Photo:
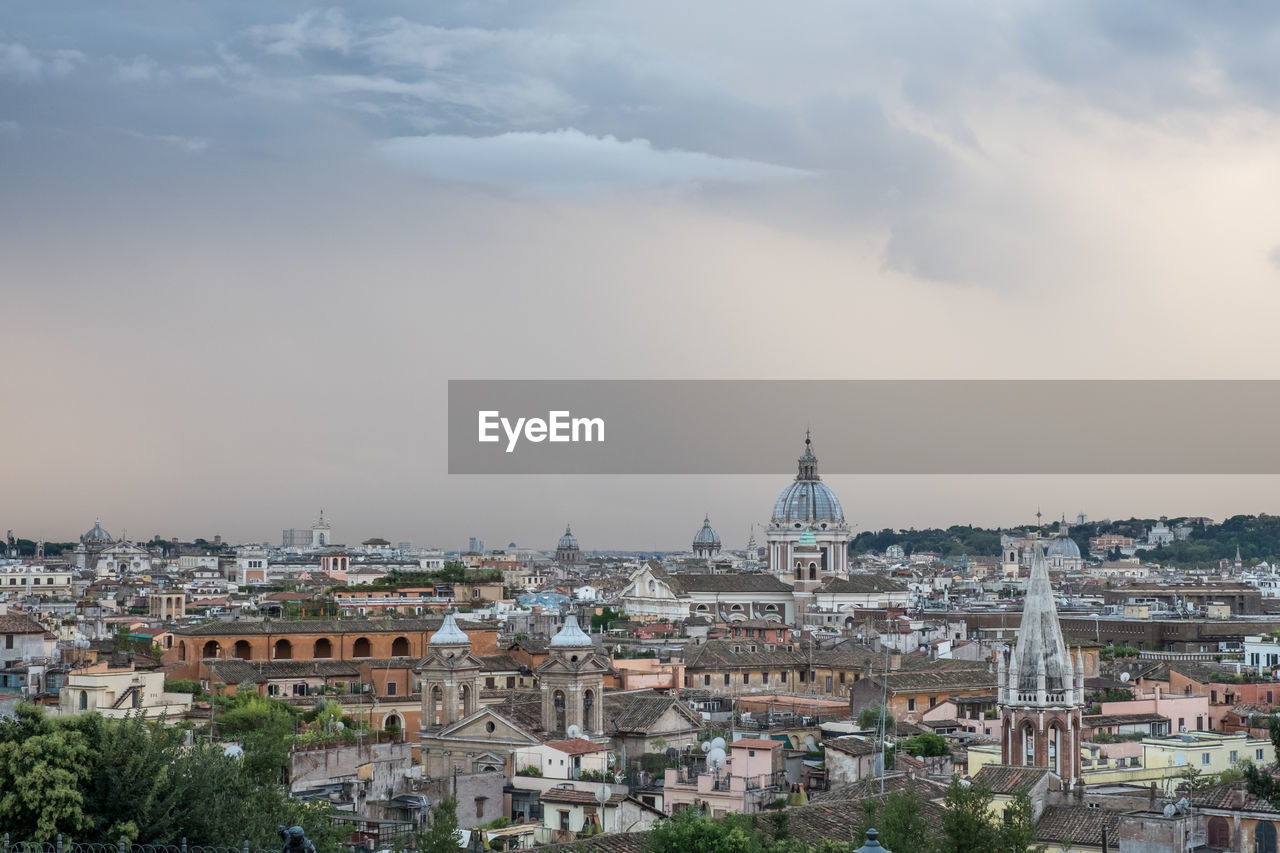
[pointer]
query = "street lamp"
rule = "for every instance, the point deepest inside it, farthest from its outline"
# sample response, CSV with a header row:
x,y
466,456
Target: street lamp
x,y
873,844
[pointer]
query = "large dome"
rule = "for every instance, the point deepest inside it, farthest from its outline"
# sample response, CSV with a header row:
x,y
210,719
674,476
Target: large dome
x,y
568,540
706,536
808,500
97,536
1064,546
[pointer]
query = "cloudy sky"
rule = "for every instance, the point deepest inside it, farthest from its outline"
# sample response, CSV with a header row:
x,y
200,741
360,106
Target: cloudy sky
x,y
243,246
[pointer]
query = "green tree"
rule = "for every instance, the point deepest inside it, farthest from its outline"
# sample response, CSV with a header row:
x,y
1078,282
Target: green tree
x,y
691,832
442,836
967,825
41,775
869,718
1018,826
928,745
901,822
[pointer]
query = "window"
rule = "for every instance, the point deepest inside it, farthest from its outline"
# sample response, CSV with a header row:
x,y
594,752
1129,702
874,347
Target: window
x,y
933,701
564,819
726,678
8,641
746,679
1258,755
706,680
911,704
1204,758
1233,756
391,688
511,681
489,683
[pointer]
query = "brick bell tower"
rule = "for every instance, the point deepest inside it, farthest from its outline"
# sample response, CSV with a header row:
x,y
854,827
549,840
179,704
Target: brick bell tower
x,y
1041,695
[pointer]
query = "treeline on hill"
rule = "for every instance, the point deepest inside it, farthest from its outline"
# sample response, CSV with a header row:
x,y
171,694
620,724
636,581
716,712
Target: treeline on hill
x,y
1257,536
904,826
95,779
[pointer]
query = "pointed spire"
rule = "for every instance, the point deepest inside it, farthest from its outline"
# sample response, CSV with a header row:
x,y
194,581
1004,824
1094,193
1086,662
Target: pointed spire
x,y
1041,656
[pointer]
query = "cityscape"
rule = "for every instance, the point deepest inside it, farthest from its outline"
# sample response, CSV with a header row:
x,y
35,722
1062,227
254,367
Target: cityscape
x,y
562,695
586,427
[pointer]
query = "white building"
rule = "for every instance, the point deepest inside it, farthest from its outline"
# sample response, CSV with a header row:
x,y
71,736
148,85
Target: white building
x,y
22,579
807,508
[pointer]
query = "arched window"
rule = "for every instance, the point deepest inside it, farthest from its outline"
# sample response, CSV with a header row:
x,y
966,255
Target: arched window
x,y
1054,742
558,704
284,649
1028,745
400,647
464,700
588,706
435,706
361,648
1219,832
1264,837
392,723
84,700
242,650
323,648
210,649
182,651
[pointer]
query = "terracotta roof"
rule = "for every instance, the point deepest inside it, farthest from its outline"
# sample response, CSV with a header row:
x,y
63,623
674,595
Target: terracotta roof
x,y
756,743
1081,824
1009,779
838,817
927,788
19,623
565,795
577,746
863,584
622,842
851,745
323,626
734,582
638,712
500,663
257,672
1228,797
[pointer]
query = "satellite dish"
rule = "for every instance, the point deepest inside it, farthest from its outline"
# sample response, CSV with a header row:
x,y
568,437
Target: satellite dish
x,y
718,743
233,750
706,746
1169,810
1124,677
671,752
573,731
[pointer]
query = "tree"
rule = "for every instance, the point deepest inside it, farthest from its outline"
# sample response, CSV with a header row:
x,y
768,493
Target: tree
x,y
967,825
928,745
870,717
442,836
41,776
691,832
1018,825
901,822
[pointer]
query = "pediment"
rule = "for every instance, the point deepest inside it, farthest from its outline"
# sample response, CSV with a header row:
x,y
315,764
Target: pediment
x,y
475,727
592,664
437,659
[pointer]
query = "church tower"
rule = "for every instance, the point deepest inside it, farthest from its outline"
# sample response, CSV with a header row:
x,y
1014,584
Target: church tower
x,y
572,682
1041,693
450,676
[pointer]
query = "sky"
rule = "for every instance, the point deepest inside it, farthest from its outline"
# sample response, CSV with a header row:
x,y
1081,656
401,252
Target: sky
x,y
244,246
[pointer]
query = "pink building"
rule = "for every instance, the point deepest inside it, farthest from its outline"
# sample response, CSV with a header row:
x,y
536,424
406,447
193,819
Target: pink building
x,y
1189,712
752,777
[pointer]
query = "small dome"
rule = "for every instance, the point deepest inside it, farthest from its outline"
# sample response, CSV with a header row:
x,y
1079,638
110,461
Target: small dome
x,y
570,636
1064,546
807,538
97,536
449,634
706,536
568,540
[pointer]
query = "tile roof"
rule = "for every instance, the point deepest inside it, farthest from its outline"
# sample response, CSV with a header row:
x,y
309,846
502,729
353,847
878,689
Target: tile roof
x,y
322,626
565,795
736,582
825,816
1122,719
621,842
500,663
756,743
927,788
851,745
1009,779
1081,824
636,712
522,707
863,584
577,746
19,623
1227,796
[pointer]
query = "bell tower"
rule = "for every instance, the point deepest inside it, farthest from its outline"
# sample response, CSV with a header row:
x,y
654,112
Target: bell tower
x,y
572,682
1041,692
450,676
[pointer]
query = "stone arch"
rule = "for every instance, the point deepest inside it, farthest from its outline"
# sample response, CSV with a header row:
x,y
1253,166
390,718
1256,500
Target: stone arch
x,y
558,707
242,650
182,650
435,704
211,650
1027,744
284,649
361,648
323,648
589,710
392,722
466,700
400,647
1053,747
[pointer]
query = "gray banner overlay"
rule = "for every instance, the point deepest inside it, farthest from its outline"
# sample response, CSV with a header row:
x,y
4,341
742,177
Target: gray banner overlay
x,y
865,426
